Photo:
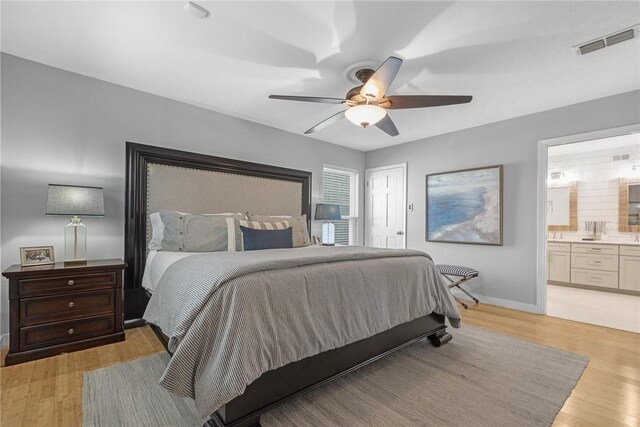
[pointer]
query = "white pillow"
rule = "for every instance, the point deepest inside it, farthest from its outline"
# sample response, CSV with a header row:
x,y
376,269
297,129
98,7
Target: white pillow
x,y
157,227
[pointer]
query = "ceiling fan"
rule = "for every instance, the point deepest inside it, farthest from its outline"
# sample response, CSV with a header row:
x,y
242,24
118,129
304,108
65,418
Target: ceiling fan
x,y
368,102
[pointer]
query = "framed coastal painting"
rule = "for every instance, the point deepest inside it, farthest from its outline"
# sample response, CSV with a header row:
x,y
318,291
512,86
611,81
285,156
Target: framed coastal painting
x,y
465,206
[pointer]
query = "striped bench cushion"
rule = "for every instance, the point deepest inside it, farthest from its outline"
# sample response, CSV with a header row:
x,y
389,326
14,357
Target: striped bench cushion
x,y
456,270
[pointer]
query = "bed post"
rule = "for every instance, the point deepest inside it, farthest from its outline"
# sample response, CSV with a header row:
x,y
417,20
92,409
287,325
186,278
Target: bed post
x,y
215,421
440,338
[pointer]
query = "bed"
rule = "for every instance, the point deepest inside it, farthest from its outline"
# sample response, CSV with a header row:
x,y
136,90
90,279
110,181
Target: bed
x,y
250,330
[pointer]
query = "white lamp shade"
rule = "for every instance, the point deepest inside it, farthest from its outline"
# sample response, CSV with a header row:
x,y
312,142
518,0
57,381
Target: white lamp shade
x,y
365,115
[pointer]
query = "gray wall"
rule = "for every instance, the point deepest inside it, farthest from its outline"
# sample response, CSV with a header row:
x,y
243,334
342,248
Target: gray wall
x,y
507,272
60,127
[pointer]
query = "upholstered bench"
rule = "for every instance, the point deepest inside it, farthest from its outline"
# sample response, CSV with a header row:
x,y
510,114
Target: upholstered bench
x,y
457,275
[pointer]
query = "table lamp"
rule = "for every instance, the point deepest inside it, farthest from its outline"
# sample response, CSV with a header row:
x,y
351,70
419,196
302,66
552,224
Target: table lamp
x,y
328,212
75,201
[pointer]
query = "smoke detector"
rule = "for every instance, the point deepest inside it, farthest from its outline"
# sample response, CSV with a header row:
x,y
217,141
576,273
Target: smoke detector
x,y
608,40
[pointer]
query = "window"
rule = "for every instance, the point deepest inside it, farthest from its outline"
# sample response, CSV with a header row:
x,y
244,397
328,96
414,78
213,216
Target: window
x,y
340,186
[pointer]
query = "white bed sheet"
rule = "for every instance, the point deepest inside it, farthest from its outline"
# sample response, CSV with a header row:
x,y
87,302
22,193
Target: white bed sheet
x,y
157,263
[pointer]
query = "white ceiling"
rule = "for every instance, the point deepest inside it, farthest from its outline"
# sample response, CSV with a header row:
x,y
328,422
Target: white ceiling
x,y
515,58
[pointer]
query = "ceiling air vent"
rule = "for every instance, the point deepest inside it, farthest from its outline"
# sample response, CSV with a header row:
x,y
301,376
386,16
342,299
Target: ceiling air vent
x,y
608,40
590,47
619,157
620,37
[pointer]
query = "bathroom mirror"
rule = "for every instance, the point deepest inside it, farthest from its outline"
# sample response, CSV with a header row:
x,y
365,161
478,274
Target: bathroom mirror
x,y
629,206
562,207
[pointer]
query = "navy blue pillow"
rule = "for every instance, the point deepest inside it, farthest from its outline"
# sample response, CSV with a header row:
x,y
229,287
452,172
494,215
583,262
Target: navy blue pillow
x,y
254,240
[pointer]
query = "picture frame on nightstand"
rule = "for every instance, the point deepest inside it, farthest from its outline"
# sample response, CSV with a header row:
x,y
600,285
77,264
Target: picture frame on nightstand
x,y
36,255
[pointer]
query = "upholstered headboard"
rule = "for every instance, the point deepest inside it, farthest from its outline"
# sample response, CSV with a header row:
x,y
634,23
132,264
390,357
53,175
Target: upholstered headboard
x,y
165,179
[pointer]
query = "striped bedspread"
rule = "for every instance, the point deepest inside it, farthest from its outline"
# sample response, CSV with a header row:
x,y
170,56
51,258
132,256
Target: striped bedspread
x,y
231,316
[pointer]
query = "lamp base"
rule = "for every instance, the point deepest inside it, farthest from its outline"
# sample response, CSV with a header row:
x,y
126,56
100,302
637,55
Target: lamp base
x,y
328,234
75,241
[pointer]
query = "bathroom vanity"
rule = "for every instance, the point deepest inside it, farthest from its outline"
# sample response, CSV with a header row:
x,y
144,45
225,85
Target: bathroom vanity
x,y
603,265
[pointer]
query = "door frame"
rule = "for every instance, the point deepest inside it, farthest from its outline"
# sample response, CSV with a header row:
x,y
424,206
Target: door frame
x,y
543,166
405,168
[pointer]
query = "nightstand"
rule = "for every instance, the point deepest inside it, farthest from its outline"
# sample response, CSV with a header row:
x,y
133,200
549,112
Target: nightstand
x,y
60,308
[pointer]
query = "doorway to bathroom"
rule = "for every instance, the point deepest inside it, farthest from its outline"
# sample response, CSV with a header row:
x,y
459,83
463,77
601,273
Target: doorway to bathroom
x,y
590,207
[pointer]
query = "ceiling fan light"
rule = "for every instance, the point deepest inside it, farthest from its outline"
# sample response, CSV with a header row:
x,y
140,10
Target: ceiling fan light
x,y
365,115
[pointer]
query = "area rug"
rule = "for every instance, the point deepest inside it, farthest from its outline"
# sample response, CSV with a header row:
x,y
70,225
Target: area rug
x,y
480,378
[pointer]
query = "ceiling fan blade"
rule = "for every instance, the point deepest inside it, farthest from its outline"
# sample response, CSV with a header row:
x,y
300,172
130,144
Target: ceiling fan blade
x,y
323,100
421,101
379,82
387,126
326,122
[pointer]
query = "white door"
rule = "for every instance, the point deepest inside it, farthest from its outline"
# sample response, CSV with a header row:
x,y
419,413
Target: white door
x,y
385,214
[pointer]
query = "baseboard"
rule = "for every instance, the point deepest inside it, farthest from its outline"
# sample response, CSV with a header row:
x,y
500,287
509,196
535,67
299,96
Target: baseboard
x,y
531,308
4,341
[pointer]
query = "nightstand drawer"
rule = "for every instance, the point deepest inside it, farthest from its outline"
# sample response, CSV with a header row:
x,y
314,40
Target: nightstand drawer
x,y
64,284
68,306
61,332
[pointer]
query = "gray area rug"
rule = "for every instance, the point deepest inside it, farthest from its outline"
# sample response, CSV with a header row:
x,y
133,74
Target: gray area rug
x,y
478,379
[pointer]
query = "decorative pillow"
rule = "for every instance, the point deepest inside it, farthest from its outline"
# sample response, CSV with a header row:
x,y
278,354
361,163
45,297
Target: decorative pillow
x,y
183,232
298,224
254,240
234,233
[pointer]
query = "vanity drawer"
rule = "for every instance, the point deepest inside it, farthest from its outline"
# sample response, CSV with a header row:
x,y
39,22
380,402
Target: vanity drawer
x,y
68,306
61,332
595,262
559,247
64,284
607,279
630,250
594,249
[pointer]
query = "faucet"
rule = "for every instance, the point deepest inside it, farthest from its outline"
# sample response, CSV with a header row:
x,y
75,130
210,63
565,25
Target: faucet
x,y
637,238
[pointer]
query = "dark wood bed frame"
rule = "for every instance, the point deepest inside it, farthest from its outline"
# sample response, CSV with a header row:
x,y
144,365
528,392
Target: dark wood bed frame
x,y
275,387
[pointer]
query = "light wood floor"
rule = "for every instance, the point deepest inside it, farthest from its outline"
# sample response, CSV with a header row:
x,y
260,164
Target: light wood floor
x,y
48,392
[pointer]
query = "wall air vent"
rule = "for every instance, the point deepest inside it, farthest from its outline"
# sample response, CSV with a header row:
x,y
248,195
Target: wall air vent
x,y
620,157
556,175
608,40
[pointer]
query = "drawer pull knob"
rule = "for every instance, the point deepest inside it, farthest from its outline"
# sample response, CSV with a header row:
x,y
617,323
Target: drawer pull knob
x,y
71,331
71,304
70,282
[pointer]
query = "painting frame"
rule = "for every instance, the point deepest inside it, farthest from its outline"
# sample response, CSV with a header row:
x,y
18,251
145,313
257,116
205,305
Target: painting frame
x,y
500,228
27,260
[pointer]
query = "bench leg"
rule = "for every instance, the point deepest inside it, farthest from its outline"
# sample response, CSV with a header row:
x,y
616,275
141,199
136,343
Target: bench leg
x,y
469,295
459,301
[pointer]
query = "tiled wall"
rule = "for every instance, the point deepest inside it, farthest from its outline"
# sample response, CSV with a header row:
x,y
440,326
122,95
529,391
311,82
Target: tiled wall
x,y
591,165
